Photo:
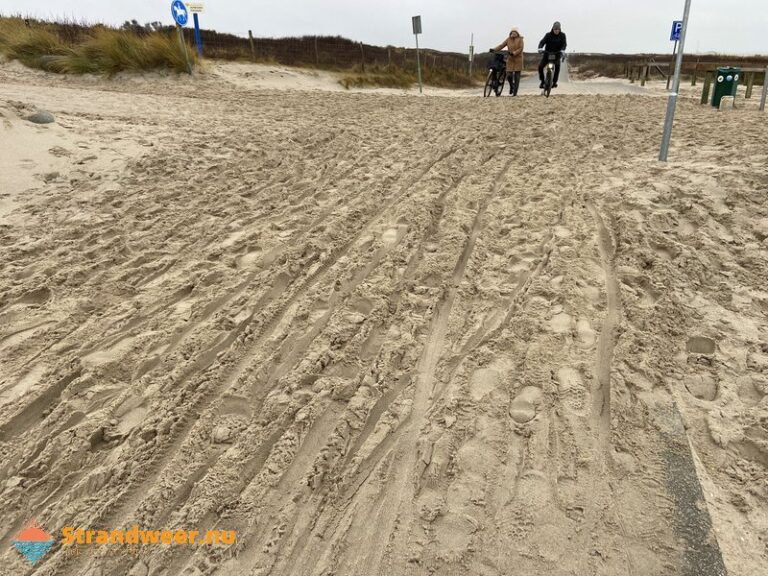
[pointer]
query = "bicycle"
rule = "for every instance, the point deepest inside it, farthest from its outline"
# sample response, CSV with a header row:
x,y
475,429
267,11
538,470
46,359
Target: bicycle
x,y
497,75
550,71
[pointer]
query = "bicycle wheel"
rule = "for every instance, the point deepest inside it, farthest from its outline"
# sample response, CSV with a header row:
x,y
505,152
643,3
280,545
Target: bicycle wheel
x,y
500,80
489,84
548,84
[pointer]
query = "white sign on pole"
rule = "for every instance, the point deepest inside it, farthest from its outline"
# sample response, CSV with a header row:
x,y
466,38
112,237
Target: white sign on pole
x,y
196,7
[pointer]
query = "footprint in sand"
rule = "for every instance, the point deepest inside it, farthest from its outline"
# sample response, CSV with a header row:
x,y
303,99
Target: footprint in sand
x,y
701,345
573,394
534,491
248,259
702,386
586,335
526,404
483,382
390,236
561,323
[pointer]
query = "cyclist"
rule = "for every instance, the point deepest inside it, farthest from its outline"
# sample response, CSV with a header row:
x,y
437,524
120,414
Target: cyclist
x,y
514,44
553,42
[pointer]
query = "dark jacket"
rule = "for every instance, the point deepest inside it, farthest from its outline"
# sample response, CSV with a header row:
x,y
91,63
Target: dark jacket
x,y
553,42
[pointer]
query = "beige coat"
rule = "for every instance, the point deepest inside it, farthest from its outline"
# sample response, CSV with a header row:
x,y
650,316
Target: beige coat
x,y
515,44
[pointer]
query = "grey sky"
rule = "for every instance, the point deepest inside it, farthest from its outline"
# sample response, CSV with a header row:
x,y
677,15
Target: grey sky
x,y
735,26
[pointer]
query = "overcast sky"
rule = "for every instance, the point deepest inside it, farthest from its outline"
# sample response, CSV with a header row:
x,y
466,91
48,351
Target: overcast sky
x,y
732,26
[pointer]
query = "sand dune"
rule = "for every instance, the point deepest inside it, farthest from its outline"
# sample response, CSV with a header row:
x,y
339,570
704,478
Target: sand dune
x,y
382,335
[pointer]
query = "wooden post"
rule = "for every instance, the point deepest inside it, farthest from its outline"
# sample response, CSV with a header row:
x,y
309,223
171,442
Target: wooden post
x,y
750,84
695,71
765,90
644,74
362,58
253,48
708,77
631,74
317,54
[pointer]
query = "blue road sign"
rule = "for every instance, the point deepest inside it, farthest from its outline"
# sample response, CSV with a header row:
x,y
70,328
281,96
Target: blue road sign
x,y
179,12
677,30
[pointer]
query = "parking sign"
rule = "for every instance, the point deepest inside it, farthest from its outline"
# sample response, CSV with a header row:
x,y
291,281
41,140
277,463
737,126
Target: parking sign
x,y
677,30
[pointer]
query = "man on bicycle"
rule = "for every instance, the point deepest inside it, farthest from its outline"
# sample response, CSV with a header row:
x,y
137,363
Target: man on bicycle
x,y
554,42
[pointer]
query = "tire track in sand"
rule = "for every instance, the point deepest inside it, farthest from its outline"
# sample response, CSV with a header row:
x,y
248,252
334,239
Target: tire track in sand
x,y
132,497
253,467
607,246
398,489
304,518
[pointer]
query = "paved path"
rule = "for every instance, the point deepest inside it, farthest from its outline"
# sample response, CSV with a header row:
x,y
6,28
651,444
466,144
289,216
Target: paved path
x,y
530,85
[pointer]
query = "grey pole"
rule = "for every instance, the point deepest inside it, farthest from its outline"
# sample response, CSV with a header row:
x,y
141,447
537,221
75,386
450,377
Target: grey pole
x,y
418,63
184,47
471,53
672,102
765,91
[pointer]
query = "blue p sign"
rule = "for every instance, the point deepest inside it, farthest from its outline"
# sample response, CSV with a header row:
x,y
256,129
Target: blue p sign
x,y
677,30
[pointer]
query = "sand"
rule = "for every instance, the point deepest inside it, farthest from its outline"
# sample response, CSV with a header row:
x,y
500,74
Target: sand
x,y
382,334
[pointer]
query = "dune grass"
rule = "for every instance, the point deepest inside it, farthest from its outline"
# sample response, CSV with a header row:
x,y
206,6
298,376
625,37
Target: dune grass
x,y
29,46
102,51
401,78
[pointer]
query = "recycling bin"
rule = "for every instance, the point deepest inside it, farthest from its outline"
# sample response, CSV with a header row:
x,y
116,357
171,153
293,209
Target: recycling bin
x,y
726,84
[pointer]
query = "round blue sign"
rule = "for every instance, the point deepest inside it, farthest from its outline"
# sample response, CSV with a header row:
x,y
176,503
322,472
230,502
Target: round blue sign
x,y
179,12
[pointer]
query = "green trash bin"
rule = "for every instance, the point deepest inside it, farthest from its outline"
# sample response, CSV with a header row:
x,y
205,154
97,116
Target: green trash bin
x,y
726,84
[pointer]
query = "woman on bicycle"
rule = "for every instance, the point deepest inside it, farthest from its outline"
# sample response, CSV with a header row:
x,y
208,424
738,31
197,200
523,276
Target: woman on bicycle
x,y
514,44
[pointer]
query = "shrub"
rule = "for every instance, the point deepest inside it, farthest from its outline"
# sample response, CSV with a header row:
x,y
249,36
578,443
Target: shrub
x,y
102,51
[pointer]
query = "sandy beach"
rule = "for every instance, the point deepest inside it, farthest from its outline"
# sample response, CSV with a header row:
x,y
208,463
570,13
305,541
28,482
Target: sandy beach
x,y
382,334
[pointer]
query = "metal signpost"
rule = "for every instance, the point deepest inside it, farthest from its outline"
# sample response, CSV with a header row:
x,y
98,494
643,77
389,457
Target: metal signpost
x,y
471,53
197,8
416,31
181,17
672,102
677,28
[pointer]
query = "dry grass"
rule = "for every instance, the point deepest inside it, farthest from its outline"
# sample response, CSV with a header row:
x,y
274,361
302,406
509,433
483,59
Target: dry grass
x,y
30,47
397,77
103,51
386,78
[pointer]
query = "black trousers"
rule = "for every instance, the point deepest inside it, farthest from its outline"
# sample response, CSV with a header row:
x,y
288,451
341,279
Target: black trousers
x,y
514,82
543,64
